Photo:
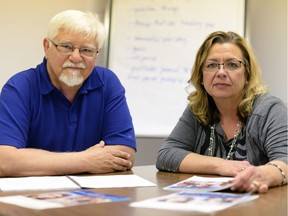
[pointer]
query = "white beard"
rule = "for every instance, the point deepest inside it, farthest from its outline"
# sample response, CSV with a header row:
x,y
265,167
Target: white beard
x,y
71,78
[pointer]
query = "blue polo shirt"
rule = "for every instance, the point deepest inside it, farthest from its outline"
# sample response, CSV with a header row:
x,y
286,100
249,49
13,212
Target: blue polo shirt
x,y
35,114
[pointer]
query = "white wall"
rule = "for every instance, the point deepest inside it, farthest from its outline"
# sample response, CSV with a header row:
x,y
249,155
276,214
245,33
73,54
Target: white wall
x,y
267,32
23,28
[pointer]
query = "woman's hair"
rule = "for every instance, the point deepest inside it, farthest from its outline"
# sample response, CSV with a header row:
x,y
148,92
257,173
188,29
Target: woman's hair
x,y
78,22
201,103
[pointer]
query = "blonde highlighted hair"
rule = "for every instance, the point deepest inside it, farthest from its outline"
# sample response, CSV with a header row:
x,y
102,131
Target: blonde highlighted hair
x,y
200,102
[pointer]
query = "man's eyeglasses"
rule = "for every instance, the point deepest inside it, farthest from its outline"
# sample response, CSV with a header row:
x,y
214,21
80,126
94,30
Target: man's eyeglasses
x,y
232,65
68,49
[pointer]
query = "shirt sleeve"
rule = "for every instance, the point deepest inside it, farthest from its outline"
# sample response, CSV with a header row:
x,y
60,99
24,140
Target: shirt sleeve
x,y
117,126
14,121
180,142
267,134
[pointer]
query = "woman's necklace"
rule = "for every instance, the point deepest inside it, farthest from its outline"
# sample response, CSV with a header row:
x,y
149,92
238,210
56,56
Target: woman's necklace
x,y
233,144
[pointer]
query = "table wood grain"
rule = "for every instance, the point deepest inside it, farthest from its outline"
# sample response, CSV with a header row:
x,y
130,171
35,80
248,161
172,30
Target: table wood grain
x,y
272,203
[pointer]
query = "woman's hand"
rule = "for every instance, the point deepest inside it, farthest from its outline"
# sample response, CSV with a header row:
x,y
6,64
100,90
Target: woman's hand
x,y
251,179
231,167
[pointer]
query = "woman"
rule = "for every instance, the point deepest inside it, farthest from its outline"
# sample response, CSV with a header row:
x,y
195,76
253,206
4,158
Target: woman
x,y
232,126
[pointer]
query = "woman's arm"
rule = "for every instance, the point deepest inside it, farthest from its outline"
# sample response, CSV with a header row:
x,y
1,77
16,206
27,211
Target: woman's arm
x,y
196,163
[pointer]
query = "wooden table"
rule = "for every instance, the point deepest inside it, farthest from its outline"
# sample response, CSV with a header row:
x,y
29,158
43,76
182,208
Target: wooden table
x,y
272,203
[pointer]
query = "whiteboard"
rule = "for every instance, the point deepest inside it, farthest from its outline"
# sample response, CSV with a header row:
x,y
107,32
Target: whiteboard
x,y
152,49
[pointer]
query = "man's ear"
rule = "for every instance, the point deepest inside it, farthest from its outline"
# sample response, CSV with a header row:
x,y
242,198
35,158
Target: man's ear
x,y
46,46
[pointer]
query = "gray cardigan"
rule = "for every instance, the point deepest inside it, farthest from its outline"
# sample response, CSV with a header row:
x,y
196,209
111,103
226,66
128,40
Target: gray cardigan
x,y
265,137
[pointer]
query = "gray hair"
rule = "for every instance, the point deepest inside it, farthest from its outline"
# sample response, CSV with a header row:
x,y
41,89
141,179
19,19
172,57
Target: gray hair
x,y
78,22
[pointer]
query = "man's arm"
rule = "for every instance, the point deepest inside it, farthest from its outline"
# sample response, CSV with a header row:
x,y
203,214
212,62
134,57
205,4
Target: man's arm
x,y
34,162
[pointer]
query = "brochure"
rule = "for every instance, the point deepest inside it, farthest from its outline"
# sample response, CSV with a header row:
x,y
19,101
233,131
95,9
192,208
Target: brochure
x,y
202,184
199,202
60,199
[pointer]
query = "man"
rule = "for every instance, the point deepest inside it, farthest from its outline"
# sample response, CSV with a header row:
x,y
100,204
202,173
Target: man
x,y
66,116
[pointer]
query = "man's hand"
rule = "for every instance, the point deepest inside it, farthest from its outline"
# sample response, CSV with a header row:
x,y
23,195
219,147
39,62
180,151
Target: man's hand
x,y
104,159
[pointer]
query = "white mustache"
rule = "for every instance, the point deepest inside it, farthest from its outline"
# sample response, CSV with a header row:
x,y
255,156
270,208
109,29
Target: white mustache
x,y
70,64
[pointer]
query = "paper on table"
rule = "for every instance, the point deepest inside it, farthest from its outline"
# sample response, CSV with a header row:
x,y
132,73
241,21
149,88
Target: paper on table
x,y
72,182
202,184
111,181
199,202
36,183
61,199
